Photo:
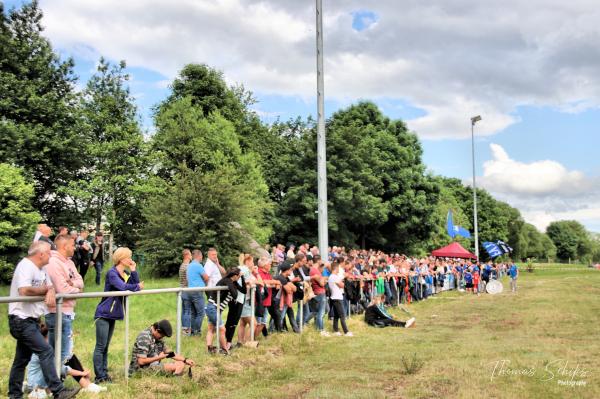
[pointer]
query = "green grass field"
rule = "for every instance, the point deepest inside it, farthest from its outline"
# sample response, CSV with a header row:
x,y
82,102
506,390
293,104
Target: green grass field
x,y
540,335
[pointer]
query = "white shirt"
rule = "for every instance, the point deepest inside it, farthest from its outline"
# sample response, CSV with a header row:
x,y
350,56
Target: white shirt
x,y
37,236
27,274
336,291
213,272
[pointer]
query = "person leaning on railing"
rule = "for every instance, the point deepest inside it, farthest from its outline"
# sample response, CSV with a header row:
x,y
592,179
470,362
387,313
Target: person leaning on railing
x,y
111,309
30,279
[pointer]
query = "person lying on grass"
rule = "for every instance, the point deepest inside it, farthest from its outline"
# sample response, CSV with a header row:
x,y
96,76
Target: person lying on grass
x,y
377,316
149,350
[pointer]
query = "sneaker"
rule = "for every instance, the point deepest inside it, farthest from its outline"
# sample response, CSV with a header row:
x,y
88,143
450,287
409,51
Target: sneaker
x,y
223,352
67,393
38,393
325,334
337,334
349,334
410,322
103,380
94,388
212,350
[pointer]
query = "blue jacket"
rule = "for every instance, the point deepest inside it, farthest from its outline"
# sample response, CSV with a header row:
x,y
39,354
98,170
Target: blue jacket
x,y
113,307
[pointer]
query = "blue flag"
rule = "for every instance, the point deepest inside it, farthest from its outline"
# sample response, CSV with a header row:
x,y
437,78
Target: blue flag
x,y
453,230
504,247
492,249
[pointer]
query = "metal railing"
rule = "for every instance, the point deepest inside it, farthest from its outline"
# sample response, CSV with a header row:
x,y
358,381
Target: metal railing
x,y
61,297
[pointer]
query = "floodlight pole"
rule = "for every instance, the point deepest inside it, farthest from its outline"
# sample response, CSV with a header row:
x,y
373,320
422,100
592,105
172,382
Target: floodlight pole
x,y
321,142
474,120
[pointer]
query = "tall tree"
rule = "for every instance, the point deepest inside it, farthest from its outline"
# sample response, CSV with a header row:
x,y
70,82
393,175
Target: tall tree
x,y
39,129
113,185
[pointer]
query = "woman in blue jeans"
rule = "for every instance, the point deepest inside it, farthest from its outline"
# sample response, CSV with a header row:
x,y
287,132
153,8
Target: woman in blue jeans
x,y
111,309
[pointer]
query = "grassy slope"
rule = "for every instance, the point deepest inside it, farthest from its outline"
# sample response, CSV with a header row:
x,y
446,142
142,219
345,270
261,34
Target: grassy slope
x,y
458,337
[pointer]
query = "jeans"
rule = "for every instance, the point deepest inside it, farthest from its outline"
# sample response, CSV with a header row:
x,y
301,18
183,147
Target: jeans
x,y
321,306
30,341
274,323
289,311
197,310
233,318
186,311
513,284
66,342
338,314
98,265
104,332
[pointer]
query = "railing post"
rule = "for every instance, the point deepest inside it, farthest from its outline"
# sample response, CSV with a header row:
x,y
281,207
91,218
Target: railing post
x,y
178,329
301,315
58,336
252,307
217,327
126,352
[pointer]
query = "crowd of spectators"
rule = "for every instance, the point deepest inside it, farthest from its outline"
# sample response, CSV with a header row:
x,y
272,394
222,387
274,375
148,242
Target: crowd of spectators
x,y
282,292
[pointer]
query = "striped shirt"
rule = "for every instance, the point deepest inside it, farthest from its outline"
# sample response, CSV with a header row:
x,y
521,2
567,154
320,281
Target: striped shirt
x,y
183,281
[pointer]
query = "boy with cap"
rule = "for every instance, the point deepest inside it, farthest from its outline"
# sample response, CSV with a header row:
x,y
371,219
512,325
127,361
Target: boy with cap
x,y
149,349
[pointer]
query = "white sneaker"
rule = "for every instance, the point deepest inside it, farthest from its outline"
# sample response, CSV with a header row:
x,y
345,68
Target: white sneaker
x,y
337,334
409,322
325,334
94,388
38,393
349,334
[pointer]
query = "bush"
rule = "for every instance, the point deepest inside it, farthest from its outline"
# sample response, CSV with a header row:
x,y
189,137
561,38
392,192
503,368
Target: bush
x,y
17,218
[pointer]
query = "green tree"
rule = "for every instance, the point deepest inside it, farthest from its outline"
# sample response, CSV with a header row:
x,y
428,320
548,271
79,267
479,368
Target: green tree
x,y
17,218
38,120
570,238
377,190
113,185
203,151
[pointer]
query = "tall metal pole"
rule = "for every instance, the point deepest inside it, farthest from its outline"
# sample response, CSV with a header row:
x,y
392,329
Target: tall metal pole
x,y
321,142
474,120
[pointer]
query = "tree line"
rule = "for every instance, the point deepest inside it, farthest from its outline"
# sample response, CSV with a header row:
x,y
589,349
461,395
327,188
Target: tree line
x,y
214,174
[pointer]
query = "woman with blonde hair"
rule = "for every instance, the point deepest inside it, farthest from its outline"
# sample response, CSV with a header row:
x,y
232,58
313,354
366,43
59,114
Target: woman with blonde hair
x,y
121,277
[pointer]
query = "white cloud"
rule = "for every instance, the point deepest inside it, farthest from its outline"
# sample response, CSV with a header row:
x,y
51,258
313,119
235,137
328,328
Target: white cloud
x,y
452,59
544,191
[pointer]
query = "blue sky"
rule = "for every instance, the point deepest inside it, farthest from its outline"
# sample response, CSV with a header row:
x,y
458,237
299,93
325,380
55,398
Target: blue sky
x,y
533,80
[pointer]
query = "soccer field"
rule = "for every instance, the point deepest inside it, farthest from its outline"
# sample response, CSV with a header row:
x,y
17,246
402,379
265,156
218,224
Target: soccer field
x,y
542,342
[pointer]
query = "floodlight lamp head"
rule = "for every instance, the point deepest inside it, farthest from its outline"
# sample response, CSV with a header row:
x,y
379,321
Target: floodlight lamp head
x,y
475,119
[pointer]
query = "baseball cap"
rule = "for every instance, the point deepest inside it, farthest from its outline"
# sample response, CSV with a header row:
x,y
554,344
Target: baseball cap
x,y
164,327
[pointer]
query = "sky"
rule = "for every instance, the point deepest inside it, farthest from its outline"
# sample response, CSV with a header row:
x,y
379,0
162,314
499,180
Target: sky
x,y
530,69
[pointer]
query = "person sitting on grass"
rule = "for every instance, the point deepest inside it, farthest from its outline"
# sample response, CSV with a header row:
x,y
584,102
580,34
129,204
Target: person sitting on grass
x,y
377,316
36,384
149,350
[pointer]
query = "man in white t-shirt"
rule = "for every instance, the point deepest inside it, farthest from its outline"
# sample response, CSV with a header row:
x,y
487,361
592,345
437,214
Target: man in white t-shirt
x,y
336,285
213,269
30,279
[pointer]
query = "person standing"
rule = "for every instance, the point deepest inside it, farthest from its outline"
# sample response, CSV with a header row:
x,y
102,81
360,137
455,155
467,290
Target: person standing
x,y
111,309
336,286
30,279
513,273
83,249
318,282
98,255
186,304
213,269
66,280
214,306
43,233
197,277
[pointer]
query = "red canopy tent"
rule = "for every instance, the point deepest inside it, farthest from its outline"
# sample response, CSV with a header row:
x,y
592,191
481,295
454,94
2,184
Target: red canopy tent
x,y
454,250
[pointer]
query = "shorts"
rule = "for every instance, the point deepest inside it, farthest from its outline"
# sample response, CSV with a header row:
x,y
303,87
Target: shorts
x,y
261,320
246,310
469,285
211,314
